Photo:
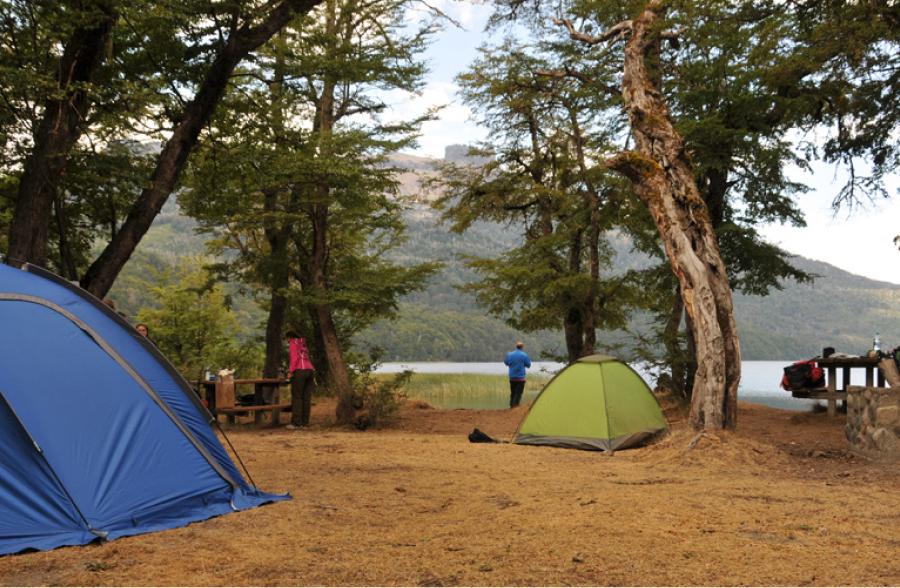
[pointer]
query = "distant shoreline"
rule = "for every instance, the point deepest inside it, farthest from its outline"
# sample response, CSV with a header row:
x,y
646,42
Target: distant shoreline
x,y
759,382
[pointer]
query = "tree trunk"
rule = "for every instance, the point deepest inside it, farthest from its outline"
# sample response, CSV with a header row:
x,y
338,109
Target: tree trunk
x,y
320,360
278,284
100,276
573,327
690,372
59,129
662,175
274,328
592,303
277,233
592,202
334,356
67,266
674,352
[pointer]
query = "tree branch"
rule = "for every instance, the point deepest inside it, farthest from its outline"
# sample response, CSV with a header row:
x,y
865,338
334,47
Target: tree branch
x,y
568,72
619,30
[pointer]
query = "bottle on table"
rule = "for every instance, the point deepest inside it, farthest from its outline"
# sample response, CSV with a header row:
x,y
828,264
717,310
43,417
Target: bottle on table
x,y
876,343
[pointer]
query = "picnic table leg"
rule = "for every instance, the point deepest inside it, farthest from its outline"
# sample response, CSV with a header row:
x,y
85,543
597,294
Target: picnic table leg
x,y
259,397
832,387
845,383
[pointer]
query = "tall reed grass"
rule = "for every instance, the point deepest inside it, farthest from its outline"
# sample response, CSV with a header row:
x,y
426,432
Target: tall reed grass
x,y
468,390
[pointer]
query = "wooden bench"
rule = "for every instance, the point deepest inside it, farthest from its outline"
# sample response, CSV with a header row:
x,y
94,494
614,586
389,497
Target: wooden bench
x,y
832,396
225,400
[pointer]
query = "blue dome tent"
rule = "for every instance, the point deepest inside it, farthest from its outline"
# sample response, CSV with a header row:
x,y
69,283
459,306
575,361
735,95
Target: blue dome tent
x,y
99,435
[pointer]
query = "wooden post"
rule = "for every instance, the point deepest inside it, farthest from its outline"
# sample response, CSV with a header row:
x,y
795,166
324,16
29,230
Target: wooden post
x,y
844,384
259,397
832,388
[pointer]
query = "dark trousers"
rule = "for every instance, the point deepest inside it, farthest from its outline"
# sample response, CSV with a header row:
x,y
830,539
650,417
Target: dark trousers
x,y
515,392
302,383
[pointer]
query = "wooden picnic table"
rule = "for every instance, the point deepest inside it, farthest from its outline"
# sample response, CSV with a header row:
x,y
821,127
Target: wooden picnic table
x,y
221,399
831,392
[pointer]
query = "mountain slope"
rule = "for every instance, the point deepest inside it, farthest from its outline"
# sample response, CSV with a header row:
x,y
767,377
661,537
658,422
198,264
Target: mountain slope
x,y
839,309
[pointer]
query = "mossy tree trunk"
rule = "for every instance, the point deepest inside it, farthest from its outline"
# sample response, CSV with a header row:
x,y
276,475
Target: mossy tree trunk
x,y
661,172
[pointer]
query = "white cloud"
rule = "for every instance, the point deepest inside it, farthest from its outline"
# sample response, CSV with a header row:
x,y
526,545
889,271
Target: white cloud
x,y
453,125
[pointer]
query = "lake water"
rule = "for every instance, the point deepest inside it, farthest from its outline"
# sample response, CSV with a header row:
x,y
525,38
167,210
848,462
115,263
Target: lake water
x,y
759,383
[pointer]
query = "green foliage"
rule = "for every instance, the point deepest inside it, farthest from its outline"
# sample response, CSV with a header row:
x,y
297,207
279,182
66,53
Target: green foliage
x,y
796,321
294,181
194,328
841,75
380,397
440,323
539,171
156,57
716,83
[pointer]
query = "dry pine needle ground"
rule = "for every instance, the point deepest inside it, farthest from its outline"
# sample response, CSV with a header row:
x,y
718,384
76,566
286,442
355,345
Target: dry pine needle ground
x,y
779,502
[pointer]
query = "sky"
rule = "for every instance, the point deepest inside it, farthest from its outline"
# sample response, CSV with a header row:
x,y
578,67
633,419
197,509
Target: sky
x,y
860,241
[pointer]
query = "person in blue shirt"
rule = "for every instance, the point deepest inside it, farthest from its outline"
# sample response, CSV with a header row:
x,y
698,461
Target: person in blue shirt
x,y
517,361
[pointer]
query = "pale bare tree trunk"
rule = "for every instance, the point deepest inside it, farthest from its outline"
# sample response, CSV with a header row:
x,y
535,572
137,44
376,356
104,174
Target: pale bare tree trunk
x,y
662,174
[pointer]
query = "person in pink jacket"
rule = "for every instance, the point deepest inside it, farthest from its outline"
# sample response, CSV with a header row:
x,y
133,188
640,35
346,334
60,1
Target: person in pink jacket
x,y
302,380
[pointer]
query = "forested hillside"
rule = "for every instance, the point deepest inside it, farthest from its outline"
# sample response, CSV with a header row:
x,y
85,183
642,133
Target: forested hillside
x,y
441,323
838,309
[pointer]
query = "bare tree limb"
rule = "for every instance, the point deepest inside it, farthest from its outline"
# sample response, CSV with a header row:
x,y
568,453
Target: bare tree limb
x,y
619,30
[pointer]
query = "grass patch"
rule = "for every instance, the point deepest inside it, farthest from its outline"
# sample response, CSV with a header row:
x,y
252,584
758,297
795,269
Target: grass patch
x,y
468,390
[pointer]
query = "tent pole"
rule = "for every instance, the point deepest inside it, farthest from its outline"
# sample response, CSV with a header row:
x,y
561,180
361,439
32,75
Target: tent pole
x,y
100,534
234,451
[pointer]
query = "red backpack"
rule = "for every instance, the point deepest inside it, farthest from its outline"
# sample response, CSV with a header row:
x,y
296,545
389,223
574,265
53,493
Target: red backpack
x,y
803,374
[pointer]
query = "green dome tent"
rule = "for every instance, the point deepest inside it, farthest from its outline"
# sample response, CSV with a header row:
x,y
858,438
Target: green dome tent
x,y
596,403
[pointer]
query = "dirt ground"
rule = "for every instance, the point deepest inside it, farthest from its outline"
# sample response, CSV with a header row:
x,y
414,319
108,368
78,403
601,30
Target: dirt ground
x,y
780,502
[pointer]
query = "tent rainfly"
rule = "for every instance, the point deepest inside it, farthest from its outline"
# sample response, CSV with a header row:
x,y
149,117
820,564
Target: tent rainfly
x,y
99,436
596,403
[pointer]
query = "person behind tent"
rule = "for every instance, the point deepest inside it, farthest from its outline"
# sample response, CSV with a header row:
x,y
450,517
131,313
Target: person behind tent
x,y
517,361
144,331
302,380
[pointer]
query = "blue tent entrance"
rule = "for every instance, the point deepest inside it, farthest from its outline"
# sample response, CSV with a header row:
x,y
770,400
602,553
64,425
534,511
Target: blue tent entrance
x,y
99,435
